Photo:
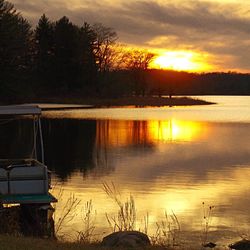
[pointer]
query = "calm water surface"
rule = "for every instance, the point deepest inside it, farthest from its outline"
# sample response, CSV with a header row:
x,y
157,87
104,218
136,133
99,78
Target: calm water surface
x,y
168,159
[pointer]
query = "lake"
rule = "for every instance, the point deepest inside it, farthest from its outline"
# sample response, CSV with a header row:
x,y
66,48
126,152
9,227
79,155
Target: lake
x,y
179,160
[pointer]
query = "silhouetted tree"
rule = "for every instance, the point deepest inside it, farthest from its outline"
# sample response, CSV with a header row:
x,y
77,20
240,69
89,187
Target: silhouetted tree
x,y
15,43
87,58
66,57
137,61
45,51
67,67
105,39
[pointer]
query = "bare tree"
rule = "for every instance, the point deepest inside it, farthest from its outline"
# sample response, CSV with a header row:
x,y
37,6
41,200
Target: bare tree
x,y
103,46
137,61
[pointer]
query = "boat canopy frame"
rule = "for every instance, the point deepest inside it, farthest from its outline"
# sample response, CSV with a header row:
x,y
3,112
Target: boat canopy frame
x,y
20,110
30,110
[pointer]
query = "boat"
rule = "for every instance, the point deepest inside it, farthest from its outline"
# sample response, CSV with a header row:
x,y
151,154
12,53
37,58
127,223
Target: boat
x,y
26,183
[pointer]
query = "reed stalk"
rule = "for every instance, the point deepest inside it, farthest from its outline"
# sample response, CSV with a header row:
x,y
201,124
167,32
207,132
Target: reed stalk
x,y
125,220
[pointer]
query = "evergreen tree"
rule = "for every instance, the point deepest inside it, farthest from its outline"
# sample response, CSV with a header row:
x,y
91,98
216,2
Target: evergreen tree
x,y
67,65
87,60
45,54
15,43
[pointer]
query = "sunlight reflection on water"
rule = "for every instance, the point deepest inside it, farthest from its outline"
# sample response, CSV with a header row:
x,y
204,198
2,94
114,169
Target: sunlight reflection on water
x,y
167,165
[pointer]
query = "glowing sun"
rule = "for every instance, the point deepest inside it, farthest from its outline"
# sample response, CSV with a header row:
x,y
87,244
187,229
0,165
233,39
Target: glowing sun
x,y
178,60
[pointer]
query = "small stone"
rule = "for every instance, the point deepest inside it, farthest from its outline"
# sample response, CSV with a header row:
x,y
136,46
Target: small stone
x,y
210,245
131,239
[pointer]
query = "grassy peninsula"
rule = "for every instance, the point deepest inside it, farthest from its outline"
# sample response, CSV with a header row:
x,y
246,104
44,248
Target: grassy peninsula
x,y
120,102
148,101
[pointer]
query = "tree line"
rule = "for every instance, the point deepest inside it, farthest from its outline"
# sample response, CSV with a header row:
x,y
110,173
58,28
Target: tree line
x,y
61,58
165,82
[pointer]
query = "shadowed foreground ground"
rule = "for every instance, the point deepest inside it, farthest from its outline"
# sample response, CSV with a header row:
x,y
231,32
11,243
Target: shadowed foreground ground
x,y
25,243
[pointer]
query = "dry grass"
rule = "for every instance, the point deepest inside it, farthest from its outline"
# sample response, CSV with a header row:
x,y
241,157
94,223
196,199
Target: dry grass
x,y
167,231
67,214
207,220
126,215
167,234
86,235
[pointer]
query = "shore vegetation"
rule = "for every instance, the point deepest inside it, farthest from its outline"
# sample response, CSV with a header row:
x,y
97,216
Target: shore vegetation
x,y
58,56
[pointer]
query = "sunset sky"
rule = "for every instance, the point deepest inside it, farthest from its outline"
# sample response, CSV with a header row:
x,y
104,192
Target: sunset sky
x,y
192,35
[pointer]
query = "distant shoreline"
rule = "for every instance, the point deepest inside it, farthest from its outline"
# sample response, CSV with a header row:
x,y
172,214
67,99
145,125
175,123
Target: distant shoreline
x,y
123,101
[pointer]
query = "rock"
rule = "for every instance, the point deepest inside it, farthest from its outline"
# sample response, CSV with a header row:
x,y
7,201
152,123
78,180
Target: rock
x,y
210,245
126,239
241,245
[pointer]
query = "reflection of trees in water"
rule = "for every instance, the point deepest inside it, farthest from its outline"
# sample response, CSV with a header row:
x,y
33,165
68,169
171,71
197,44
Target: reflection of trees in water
x,y
101,147
117,134
120,133
69,145
16,138
140,134
86,145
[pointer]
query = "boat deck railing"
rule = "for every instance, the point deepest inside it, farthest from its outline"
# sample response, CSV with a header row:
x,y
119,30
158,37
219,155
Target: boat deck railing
x,y
10,163
25,176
